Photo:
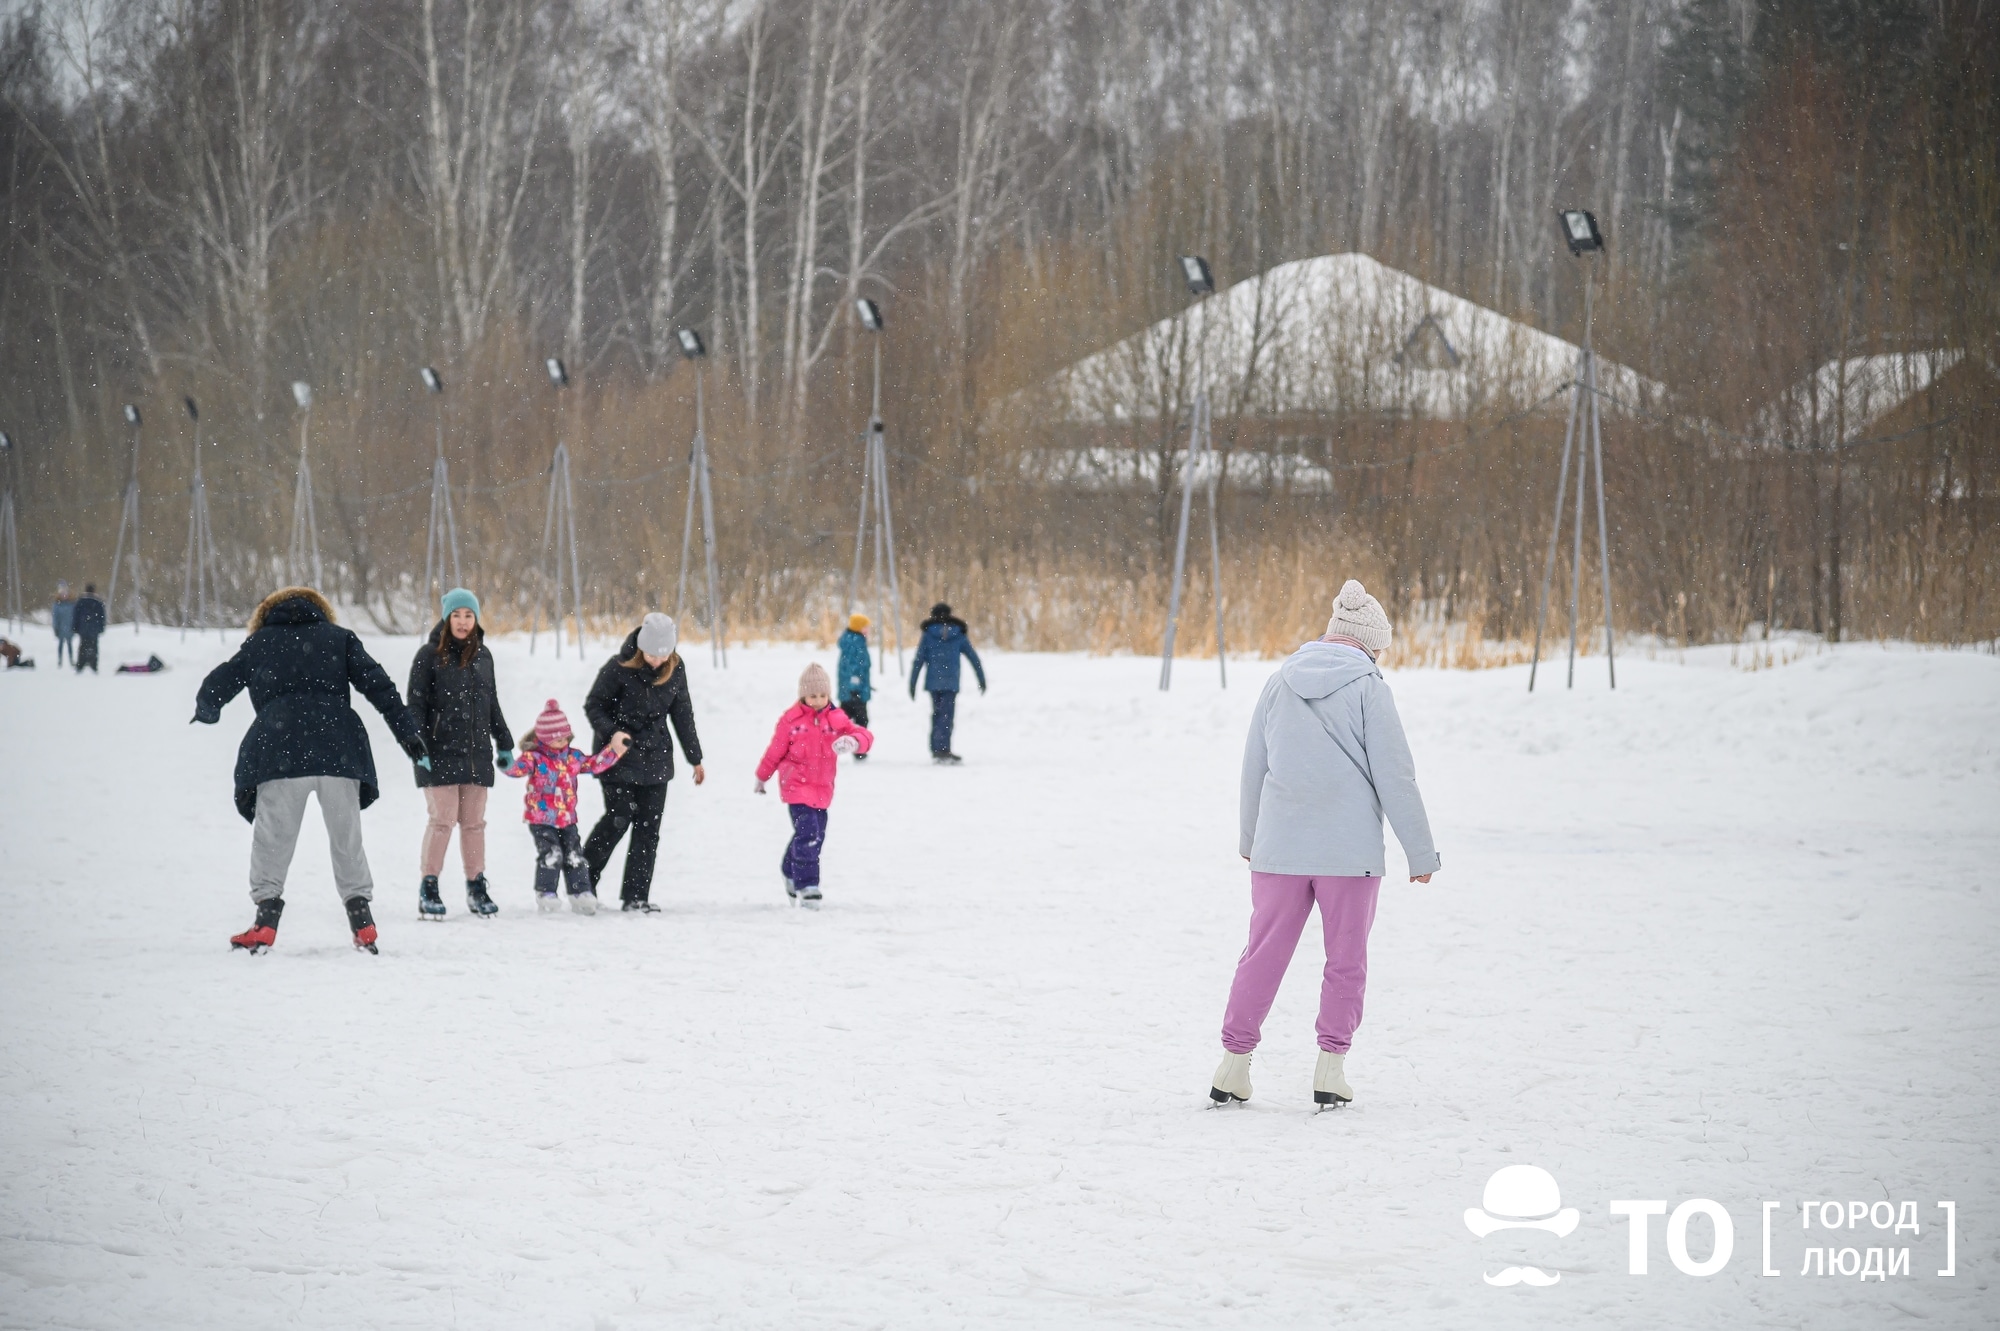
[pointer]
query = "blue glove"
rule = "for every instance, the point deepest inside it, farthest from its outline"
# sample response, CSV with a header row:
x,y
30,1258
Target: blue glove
x,y
504,759
425,762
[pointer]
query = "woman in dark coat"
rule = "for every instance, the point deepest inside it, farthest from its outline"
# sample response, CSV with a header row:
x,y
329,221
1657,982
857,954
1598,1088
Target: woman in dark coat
x,y
307,740
638,691
456,701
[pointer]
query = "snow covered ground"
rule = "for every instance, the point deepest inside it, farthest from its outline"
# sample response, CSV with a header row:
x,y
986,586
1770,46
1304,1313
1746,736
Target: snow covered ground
x,y
1720,934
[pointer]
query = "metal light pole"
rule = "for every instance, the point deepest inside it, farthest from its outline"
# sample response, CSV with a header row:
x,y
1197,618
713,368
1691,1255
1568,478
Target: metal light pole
x,y
198,585
9,534
1581,233
128,520
1200,452
695,350
558,533
302,555
875,494
442,533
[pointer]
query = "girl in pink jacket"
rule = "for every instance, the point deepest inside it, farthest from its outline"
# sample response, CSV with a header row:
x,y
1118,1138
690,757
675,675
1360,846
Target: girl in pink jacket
x,y
552,768
803,752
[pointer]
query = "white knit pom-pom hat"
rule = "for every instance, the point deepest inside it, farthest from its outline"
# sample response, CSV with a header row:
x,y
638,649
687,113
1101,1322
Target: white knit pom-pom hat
x,y
1359,616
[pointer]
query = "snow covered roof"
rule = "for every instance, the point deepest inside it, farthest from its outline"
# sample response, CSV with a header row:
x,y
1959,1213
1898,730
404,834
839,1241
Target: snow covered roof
x,y
1338,333
1840,400
1104,468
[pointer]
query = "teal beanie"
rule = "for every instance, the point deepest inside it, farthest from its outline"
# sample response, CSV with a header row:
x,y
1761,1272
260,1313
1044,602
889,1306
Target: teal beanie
x,y
460,599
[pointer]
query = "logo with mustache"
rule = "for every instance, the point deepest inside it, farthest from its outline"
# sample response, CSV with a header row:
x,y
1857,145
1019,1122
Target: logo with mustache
x,y
1522,1197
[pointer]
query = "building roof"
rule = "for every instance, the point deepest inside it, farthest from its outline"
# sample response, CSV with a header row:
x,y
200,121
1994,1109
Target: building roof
x,y
1340,333
1837,403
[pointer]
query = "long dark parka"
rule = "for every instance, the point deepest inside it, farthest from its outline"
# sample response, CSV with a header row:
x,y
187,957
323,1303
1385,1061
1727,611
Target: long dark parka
x,y
298,666
637,702
453,694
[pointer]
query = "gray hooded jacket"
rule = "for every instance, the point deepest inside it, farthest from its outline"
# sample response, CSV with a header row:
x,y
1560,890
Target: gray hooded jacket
x,y
1326,758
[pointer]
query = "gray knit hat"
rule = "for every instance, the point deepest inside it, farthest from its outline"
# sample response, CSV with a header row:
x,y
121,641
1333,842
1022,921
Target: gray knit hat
x,y
657,635
1359,616
813,683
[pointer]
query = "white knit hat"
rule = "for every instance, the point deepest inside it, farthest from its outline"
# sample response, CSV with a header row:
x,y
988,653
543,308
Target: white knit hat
x,y
1359,616
657,635
814,682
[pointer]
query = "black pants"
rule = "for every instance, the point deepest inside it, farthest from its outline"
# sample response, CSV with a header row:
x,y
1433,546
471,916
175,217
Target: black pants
x,y
857,711
86,653
559,851
639,808
944,710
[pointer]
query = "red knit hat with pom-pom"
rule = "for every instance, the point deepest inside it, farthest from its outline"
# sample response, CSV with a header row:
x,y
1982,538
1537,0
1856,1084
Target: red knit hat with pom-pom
x,y
552,729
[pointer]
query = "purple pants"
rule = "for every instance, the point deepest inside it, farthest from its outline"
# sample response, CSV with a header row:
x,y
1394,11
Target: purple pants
x,y
801,862
1279,904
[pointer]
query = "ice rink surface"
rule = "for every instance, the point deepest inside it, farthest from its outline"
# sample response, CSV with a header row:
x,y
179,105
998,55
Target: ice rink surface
x,y
1721,934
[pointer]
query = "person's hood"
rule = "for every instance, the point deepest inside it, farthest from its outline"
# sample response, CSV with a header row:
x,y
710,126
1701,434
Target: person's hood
x,y
1322,669
292,605
944,625
629,646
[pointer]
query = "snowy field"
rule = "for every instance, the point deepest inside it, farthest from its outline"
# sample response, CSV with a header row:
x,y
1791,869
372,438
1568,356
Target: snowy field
x,y
1720,934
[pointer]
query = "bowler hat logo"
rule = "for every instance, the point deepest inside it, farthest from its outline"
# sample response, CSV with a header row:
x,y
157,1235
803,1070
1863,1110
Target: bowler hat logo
x,y
1522,1197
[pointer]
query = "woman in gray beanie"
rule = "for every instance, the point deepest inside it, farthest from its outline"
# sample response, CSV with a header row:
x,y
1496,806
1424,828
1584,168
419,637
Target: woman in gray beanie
x,y
1325,760
639,691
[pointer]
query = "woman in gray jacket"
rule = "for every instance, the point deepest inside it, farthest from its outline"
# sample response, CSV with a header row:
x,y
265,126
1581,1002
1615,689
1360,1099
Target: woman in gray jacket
x,y
1326,759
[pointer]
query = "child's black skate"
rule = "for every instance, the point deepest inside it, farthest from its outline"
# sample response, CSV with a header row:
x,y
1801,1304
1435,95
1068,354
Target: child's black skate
x,y
430,902
362,921
258,938
476,899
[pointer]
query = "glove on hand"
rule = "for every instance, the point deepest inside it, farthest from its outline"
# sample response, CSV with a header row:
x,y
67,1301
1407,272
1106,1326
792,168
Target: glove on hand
x,y
504,759
846,744
414,747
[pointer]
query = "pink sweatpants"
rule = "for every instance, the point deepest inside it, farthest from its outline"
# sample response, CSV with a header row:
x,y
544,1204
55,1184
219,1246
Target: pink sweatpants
x,y
1279,904
463,807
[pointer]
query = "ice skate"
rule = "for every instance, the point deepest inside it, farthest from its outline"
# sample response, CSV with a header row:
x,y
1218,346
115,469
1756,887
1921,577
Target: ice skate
x,y
792,891
362,921
1330,1088
548,903
258,938
430,902
476,899
809,897
583,903
1232,1080
640,907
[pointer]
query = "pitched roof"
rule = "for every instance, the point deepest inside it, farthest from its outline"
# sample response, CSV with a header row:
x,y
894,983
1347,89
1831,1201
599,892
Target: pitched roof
x,y
1839,401
1340,333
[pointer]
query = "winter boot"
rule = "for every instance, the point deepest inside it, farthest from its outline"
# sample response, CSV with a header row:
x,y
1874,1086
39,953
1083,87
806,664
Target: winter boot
x,y
1232,1079
259,936
363,923
641,907
476,899
583,903
548,903
430,902
1330,1088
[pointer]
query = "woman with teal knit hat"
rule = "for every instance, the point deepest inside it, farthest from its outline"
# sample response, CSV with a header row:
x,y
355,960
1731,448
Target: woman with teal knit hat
x,y
456,700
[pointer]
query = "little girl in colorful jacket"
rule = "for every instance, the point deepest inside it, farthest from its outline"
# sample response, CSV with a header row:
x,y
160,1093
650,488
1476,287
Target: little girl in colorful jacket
x,y
804,752
552,768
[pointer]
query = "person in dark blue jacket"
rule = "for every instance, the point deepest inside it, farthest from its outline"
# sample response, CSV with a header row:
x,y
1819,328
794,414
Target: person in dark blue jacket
x,y
89,620
944,641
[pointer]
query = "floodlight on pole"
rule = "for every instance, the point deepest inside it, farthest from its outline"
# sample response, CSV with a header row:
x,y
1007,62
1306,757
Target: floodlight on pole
x,y
128,521
200,593
694,349
441,532
559,535
875,494
9,533
1580,233
302,554
1200,456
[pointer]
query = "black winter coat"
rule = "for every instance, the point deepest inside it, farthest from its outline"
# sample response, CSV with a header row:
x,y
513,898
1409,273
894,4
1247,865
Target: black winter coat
x,y
298,665
89,621
628,700
458,709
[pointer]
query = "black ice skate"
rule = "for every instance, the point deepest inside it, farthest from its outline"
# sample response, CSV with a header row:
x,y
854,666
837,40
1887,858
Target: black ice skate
x,y
258,938
476,899
430,902
638,906
362,921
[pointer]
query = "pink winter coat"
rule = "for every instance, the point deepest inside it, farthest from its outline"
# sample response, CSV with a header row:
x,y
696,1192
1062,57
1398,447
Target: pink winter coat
x,y
801,753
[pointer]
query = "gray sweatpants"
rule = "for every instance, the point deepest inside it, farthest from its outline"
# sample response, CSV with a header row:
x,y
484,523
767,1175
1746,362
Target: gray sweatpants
x,y
281,807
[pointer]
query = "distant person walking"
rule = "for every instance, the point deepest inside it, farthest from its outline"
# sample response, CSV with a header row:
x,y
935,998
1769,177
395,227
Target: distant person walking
x,y
944,640
456,702
307,740
855,687
62,618
89,620
639,692
1325,759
